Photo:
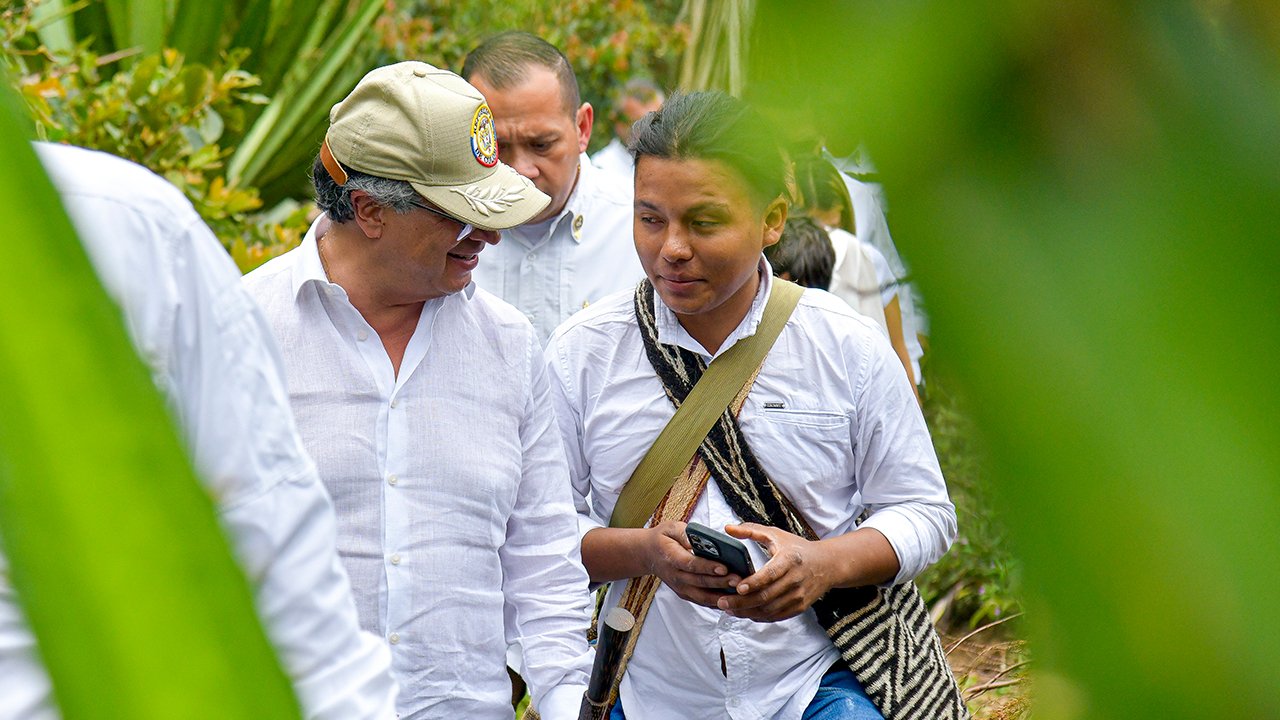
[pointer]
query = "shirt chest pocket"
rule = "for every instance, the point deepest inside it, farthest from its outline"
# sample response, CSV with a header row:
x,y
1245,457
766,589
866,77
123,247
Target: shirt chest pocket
x,y
808,453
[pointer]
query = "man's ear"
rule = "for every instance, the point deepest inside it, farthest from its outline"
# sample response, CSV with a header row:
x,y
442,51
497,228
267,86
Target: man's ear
x,y
368,214
775,218
584,119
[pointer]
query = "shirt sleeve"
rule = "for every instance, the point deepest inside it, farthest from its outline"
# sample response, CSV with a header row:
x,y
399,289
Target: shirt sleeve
x,y
898,473
568,410
545,585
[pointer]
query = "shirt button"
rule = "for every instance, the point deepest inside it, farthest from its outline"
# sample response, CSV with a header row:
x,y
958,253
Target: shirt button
x,y
362,335
533,256
394,638
395,559
734,702
392,479
394,403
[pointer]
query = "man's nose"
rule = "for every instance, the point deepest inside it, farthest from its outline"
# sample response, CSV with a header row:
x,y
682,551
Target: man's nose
x,y
675,246
489,236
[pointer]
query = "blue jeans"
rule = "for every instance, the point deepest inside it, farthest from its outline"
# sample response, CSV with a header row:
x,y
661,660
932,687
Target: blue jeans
x,y
840,697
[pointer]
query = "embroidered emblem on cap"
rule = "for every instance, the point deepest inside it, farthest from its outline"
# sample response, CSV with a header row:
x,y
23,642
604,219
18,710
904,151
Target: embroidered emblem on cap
x,y
484,139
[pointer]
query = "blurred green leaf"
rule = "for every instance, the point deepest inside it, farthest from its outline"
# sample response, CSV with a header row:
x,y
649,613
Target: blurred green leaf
x,y
1087,193
113,545
138,23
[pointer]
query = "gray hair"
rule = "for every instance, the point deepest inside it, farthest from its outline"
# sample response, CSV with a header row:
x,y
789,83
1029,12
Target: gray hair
x,y
335,199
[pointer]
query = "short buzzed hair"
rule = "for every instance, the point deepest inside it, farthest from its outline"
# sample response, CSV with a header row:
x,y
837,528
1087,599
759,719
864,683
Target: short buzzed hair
x,y
504,59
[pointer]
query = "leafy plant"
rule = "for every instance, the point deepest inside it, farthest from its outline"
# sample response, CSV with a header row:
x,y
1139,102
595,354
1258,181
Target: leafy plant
x,y
606,42
162,113
122,569
306,54
178,118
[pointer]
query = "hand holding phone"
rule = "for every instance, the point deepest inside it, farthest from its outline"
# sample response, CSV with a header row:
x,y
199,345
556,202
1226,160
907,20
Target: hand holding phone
x,y
719,547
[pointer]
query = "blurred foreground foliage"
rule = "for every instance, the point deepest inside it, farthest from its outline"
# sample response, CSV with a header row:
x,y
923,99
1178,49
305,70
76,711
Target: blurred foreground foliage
x,y
119,562
1087,192
977,581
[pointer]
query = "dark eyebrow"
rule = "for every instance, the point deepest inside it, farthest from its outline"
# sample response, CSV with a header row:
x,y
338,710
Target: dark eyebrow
x,y
709,207
700,208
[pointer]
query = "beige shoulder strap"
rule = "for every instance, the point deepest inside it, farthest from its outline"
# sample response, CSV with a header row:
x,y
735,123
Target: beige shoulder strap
x,y
721,381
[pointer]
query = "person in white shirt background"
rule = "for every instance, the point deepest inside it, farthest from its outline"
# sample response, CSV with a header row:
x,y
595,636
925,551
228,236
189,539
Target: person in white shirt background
x,y
579,248
637,98
214,359
830,420
862,276
871,226
426,406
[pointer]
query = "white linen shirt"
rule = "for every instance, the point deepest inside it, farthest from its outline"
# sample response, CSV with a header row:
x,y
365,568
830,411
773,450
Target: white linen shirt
x,y
212,355
455,519
849,437
585,253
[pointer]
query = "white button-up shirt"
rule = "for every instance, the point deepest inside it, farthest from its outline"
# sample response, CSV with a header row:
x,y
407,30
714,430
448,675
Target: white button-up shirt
x,y
211,353
554,269
833,421
455,519
855,276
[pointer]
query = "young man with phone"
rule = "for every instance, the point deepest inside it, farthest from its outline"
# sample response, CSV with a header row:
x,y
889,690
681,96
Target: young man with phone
x,y
822,459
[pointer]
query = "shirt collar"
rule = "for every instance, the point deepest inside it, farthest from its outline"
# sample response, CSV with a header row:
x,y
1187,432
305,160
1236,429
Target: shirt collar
x,y
670,332
578,206
308,267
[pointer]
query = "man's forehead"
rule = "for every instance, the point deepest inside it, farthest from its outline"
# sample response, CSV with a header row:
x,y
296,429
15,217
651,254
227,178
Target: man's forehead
x,y
530,127
538,91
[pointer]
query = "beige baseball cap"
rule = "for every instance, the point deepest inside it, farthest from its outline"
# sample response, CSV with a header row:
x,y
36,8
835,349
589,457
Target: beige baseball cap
x,y
414,122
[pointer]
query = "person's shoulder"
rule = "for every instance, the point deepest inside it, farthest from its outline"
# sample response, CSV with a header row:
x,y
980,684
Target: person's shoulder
x,y
602,321
492,308
91,173
821,311
272,282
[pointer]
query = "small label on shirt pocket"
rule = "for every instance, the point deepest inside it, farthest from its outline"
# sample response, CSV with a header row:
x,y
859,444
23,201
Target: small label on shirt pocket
x,y
777,412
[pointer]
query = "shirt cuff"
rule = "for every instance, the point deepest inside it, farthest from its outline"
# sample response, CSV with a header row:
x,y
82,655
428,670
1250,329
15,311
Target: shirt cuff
x,y
562,702
900,531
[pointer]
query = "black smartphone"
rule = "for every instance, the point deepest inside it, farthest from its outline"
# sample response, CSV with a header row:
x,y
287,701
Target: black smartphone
x,y
715,545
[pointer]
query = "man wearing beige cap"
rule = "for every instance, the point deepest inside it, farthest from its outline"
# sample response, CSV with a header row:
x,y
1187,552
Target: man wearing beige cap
x,y
425,404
